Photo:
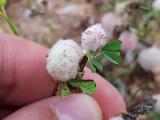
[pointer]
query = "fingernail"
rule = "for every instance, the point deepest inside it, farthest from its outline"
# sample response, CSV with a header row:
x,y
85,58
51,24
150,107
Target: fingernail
x,y
77,107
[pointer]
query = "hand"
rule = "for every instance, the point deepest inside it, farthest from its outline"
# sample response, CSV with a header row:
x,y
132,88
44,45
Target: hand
x,y
24,82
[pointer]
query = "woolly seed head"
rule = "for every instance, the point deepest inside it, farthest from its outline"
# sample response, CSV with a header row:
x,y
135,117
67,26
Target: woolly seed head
x,y
63,60
117,118
156,5
156,106
149,59
110,21
94,38
70,15
129,41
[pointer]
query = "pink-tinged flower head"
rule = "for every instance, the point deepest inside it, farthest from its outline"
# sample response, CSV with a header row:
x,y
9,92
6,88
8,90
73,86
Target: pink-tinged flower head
x,y
110,21
63,60
94,38
156,5
129,41
149,59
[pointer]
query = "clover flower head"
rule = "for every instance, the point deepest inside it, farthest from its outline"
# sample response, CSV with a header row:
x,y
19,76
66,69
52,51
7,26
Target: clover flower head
x,y
63,60
110,21
129,41
72,15
156,106
117,118
156,5
149,59
94,38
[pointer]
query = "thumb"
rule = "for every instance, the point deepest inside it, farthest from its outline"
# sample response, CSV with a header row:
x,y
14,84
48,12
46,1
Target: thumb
x,y
73,107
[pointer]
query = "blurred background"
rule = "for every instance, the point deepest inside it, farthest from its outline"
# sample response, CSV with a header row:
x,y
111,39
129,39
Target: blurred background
x,y
135,22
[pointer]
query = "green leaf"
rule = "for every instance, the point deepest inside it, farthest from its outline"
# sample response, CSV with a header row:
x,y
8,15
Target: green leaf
x,y
2,3
145,7
148,16
64,90
113,45
151,114
112,56
87,87
154,115
92,67
111,51
95,64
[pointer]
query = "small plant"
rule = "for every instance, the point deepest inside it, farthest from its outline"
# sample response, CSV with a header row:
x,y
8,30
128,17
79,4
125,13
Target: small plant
x,y
66,60
4,15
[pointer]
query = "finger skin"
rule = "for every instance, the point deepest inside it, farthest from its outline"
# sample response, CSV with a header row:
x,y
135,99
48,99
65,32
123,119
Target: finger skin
x,y
4,112
73,107
24,78
33,112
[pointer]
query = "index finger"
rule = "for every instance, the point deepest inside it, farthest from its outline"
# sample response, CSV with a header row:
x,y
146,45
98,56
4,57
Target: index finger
x,y
23,76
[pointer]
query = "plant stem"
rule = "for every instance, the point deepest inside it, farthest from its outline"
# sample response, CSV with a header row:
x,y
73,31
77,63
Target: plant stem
x,y
12,26
83,63
10,23
3,10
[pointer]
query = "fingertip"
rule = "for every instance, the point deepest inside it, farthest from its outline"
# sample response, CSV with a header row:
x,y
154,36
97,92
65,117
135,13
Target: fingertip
x,y
72,107
78,107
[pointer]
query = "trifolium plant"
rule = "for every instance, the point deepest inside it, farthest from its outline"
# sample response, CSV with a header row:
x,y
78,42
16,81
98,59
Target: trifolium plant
x,y
66,59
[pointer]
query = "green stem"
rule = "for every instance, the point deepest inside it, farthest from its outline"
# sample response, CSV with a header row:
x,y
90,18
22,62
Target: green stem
x,y
4,11
10,23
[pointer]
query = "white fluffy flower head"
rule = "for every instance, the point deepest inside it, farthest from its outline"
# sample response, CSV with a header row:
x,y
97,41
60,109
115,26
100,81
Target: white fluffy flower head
x,y
156,106
94,38
129,40
63,60
117,118
149,59
70,15
110,21
156,4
